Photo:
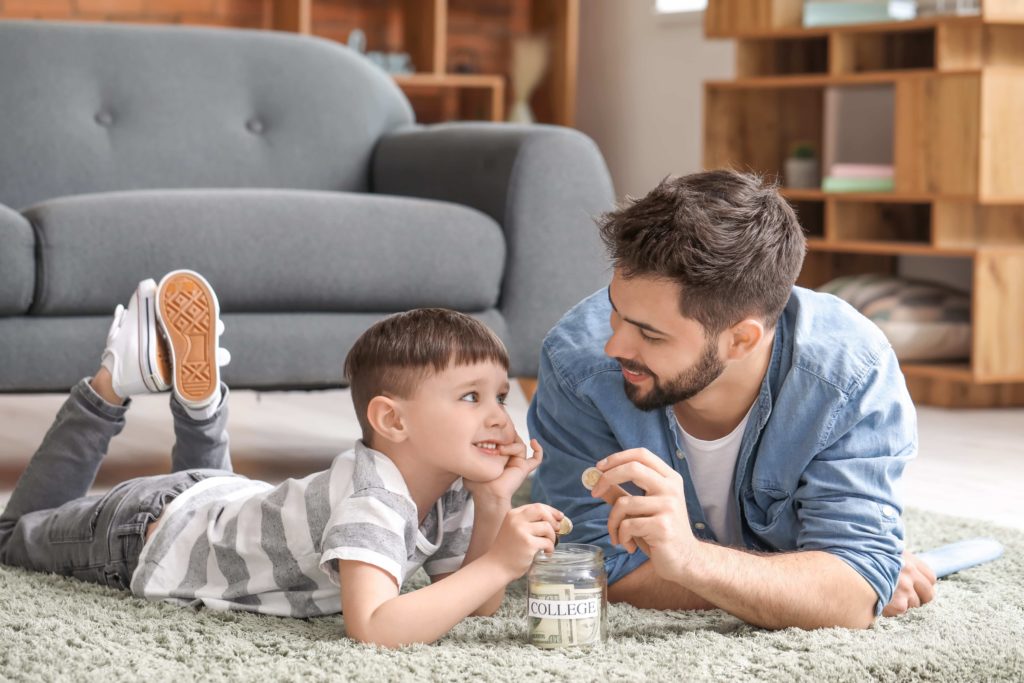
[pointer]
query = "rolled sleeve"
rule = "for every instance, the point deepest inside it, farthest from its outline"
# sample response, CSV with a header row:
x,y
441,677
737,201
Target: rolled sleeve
x,y
848,500
574,436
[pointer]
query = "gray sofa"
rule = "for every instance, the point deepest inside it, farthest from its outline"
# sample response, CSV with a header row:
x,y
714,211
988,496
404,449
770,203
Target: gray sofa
x,y
289,171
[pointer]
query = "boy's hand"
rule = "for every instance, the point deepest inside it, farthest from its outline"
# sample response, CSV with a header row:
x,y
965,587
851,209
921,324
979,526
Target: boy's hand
x,y
516,470
525,531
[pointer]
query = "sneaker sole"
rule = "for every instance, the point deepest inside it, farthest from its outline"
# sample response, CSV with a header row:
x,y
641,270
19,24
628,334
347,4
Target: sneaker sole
x,y
187,310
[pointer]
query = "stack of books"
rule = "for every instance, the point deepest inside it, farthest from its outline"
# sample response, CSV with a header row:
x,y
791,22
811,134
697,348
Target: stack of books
x,y
859,178
837,12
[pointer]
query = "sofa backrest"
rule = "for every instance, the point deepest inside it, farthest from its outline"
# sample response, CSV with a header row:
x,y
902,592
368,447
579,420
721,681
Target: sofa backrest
x,y
100,107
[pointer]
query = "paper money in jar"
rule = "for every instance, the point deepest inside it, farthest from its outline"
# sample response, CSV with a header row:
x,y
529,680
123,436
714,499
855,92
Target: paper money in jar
x,y
567,602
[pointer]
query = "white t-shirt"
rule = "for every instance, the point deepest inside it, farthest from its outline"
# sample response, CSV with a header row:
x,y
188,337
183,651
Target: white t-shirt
x,y
712,466
235,543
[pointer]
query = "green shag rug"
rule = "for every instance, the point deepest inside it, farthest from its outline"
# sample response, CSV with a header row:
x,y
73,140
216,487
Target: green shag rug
x,y
57,629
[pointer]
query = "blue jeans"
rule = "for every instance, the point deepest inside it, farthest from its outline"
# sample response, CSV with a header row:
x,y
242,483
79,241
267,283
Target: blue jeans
x,y
51,525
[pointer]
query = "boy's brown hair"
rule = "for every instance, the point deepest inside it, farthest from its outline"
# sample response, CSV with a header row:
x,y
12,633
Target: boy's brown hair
x,y
394,355
727,239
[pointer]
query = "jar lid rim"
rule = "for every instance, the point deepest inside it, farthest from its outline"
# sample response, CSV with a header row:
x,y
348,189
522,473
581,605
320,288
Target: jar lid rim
x,y
570,553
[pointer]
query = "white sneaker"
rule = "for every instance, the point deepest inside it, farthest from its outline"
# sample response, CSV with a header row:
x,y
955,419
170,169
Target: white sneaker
x,y
136,353
189,314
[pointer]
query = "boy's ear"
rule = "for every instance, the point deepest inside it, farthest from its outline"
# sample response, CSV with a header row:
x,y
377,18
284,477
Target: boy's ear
x,y
385,416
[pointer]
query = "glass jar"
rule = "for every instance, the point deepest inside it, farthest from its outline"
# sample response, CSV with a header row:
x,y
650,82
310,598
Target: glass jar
x,y
567,598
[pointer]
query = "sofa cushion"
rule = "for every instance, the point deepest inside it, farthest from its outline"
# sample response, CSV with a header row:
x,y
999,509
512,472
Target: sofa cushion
x,y
108,107
17,263
268,250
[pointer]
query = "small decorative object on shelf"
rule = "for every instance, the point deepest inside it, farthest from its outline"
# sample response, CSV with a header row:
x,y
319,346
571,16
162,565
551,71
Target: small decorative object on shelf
x,y
930,8
392,62
529,62
802,171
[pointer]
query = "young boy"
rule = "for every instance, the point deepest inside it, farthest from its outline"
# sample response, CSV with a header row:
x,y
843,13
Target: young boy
x,y
429,484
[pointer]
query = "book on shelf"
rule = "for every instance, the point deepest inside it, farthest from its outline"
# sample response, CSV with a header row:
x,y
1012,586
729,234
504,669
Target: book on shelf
x,y
833,184
825,13
876,171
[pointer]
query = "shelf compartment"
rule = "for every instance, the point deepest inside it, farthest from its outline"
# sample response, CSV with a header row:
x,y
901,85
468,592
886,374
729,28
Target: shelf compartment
x,y
449,97
811,215
879,222
997,307
957,223
860,52
821,267
730,17
754,129
785,56
416,27
977,45
936,134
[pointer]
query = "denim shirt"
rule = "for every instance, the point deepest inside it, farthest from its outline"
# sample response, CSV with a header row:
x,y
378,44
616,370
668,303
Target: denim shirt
x,y
828,437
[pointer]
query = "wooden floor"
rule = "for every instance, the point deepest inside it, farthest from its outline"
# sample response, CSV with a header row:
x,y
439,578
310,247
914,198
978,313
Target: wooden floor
x,y
971,462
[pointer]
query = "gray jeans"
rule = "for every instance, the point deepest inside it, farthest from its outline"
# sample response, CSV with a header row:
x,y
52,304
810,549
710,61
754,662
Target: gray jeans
x,y
51,525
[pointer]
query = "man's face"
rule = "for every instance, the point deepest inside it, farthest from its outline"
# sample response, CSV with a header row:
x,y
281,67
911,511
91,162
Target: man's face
x,y
665,357
457,417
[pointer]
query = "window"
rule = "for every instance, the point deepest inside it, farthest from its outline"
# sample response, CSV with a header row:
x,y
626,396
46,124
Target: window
x,y
677,6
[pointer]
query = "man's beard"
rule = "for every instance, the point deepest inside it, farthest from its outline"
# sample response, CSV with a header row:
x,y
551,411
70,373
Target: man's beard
x,y
684,386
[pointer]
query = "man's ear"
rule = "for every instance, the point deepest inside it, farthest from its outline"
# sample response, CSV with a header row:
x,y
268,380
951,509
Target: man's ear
x,y
385,416
743,338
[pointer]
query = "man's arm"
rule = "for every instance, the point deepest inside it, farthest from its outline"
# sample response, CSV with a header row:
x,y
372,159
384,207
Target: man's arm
x,y
810,589
644,588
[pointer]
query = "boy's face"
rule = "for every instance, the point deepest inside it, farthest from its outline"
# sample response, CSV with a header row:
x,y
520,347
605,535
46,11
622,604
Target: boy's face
x,y
457,418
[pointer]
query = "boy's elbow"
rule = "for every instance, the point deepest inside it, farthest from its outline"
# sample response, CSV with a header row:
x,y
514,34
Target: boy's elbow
x,y
368,637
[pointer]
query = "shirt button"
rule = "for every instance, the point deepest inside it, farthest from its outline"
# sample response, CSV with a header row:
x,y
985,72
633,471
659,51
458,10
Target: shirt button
x,y
680,455
700,526
888,511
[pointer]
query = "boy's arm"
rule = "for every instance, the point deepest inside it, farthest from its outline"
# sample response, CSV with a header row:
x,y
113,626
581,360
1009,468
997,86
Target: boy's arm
x,y
486,522
375,613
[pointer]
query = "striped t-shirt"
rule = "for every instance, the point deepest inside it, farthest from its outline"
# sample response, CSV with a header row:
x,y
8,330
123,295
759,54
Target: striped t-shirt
x,y
234,543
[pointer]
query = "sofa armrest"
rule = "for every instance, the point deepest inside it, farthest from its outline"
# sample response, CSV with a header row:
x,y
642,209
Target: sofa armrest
x,y
544,185
17,262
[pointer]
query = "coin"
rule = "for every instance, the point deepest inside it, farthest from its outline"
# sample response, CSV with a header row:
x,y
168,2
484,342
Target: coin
x,y
565,527
590,477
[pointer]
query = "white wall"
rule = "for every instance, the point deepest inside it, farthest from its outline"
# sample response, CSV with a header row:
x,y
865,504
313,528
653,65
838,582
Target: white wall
x,y
640,89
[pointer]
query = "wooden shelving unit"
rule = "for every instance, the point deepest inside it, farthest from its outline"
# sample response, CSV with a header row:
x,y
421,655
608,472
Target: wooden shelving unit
x,y
958,141
460,49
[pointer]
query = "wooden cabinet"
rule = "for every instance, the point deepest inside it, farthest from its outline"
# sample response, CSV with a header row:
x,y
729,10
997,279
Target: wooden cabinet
x,y
461,49
957,87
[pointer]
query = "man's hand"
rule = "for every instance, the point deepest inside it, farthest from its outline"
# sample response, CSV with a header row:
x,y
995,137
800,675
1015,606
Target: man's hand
x,y
525,531
517,469
658,521
915,587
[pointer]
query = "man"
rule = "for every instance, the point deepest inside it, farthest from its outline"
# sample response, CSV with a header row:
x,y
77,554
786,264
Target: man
x,y
760,427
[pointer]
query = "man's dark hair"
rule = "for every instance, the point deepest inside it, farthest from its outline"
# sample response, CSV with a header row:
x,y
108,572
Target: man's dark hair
x,y
400,351
731,243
